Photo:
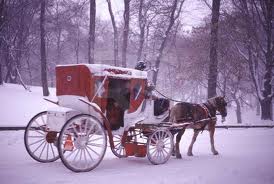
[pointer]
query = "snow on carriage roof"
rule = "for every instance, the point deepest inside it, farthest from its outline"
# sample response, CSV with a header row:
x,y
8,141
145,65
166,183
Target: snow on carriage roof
x,y
114,71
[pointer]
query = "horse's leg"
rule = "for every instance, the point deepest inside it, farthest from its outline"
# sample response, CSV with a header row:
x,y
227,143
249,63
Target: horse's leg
x,y
211,128
189,152
177,144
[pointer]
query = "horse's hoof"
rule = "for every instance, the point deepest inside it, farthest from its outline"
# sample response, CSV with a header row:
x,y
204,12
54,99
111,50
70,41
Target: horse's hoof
x,y
215,153
190,154
179,156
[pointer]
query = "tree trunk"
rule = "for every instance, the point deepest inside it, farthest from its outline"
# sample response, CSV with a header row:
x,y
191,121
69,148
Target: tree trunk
x,y
1,78
43,50
266,106
58,57
142,31
258,108
59,32
172,19
91,39
125,33
2,3
115,33
238,111
266,102
77,45
212,75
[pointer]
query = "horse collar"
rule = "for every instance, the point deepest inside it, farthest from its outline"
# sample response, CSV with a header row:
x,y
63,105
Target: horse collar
x,y
211,109
206,109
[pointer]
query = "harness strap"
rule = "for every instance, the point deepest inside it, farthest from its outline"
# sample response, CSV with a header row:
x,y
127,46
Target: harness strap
x,y
205,108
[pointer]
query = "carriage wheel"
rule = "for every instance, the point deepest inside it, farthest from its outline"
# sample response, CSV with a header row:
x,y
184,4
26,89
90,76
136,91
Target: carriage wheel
x,y
159,146
82,143
119,150
40,143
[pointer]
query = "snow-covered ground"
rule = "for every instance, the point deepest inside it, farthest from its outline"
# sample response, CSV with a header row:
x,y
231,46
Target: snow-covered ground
x,y
246,155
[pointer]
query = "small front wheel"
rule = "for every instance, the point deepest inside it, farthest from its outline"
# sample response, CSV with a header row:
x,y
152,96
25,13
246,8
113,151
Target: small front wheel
x,y
159,146
82,143
119,150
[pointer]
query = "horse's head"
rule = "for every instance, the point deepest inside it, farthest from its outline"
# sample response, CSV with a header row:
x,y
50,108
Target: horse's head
x,y
220,104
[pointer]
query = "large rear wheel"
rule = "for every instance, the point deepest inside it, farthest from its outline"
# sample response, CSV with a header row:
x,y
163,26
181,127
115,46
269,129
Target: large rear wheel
x,y
39,142
82,143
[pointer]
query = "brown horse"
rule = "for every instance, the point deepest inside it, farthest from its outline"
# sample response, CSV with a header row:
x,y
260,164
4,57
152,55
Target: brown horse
x,y
202,116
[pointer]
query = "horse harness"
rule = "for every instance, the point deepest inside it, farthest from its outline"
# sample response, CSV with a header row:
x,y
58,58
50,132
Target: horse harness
x,y
209,118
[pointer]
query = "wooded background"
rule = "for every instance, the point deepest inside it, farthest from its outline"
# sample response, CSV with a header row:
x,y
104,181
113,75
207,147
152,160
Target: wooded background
x,y
230,54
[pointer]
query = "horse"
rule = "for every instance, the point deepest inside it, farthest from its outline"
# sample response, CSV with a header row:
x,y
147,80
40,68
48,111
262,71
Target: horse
x,y
202,116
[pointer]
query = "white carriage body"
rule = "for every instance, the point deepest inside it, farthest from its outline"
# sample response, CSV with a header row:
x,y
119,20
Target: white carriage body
x,y
105,88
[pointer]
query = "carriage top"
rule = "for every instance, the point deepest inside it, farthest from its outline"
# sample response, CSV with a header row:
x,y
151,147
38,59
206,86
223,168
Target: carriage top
x,y
107,70
99,82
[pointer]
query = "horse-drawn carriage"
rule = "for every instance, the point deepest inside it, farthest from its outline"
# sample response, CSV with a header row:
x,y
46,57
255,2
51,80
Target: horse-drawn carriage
x,y
99,104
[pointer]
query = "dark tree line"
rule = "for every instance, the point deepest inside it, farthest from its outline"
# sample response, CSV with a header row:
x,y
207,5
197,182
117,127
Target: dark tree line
x,y
230,54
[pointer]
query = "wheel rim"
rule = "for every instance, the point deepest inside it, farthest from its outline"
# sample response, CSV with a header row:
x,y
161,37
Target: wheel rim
x,y
160,146
88,143
119,149
40,143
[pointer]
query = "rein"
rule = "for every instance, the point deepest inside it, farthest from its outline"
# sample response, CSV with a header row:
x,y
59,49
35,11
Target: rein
x,y
217,113
166,96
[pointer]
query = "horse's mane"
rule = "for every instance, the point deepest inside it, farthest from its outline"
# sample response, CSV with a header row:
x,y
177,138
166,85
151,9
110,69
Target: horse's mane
x,y
212,101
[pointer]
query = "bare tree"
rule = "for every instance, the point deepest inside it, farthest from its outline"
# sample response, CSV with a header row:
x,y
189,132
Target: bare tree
x,y
142,25
266,19
125,32
91,39
2,3
212,75
115,33
43,50
173,16
258,49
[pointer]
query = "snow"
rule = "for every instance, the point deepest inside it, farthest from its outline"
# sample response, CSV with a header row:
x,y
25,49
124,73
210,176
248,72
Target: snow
x,y
18,105
107,70
246,155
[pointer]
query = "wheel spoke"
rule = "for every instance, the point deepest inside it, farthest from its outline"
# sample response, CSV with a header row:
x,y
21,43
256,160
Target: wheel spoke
x,y
75,156
154,152
42,117
90,130
85,159
154,140
52,150
43,149
93,151
47,151
67,156
165,151
96,139
94,144
36,142
36,136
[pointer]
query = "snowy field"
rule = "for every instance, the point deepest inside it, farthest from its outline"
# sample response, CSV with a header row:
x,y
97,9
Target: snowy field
x,y
246,155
